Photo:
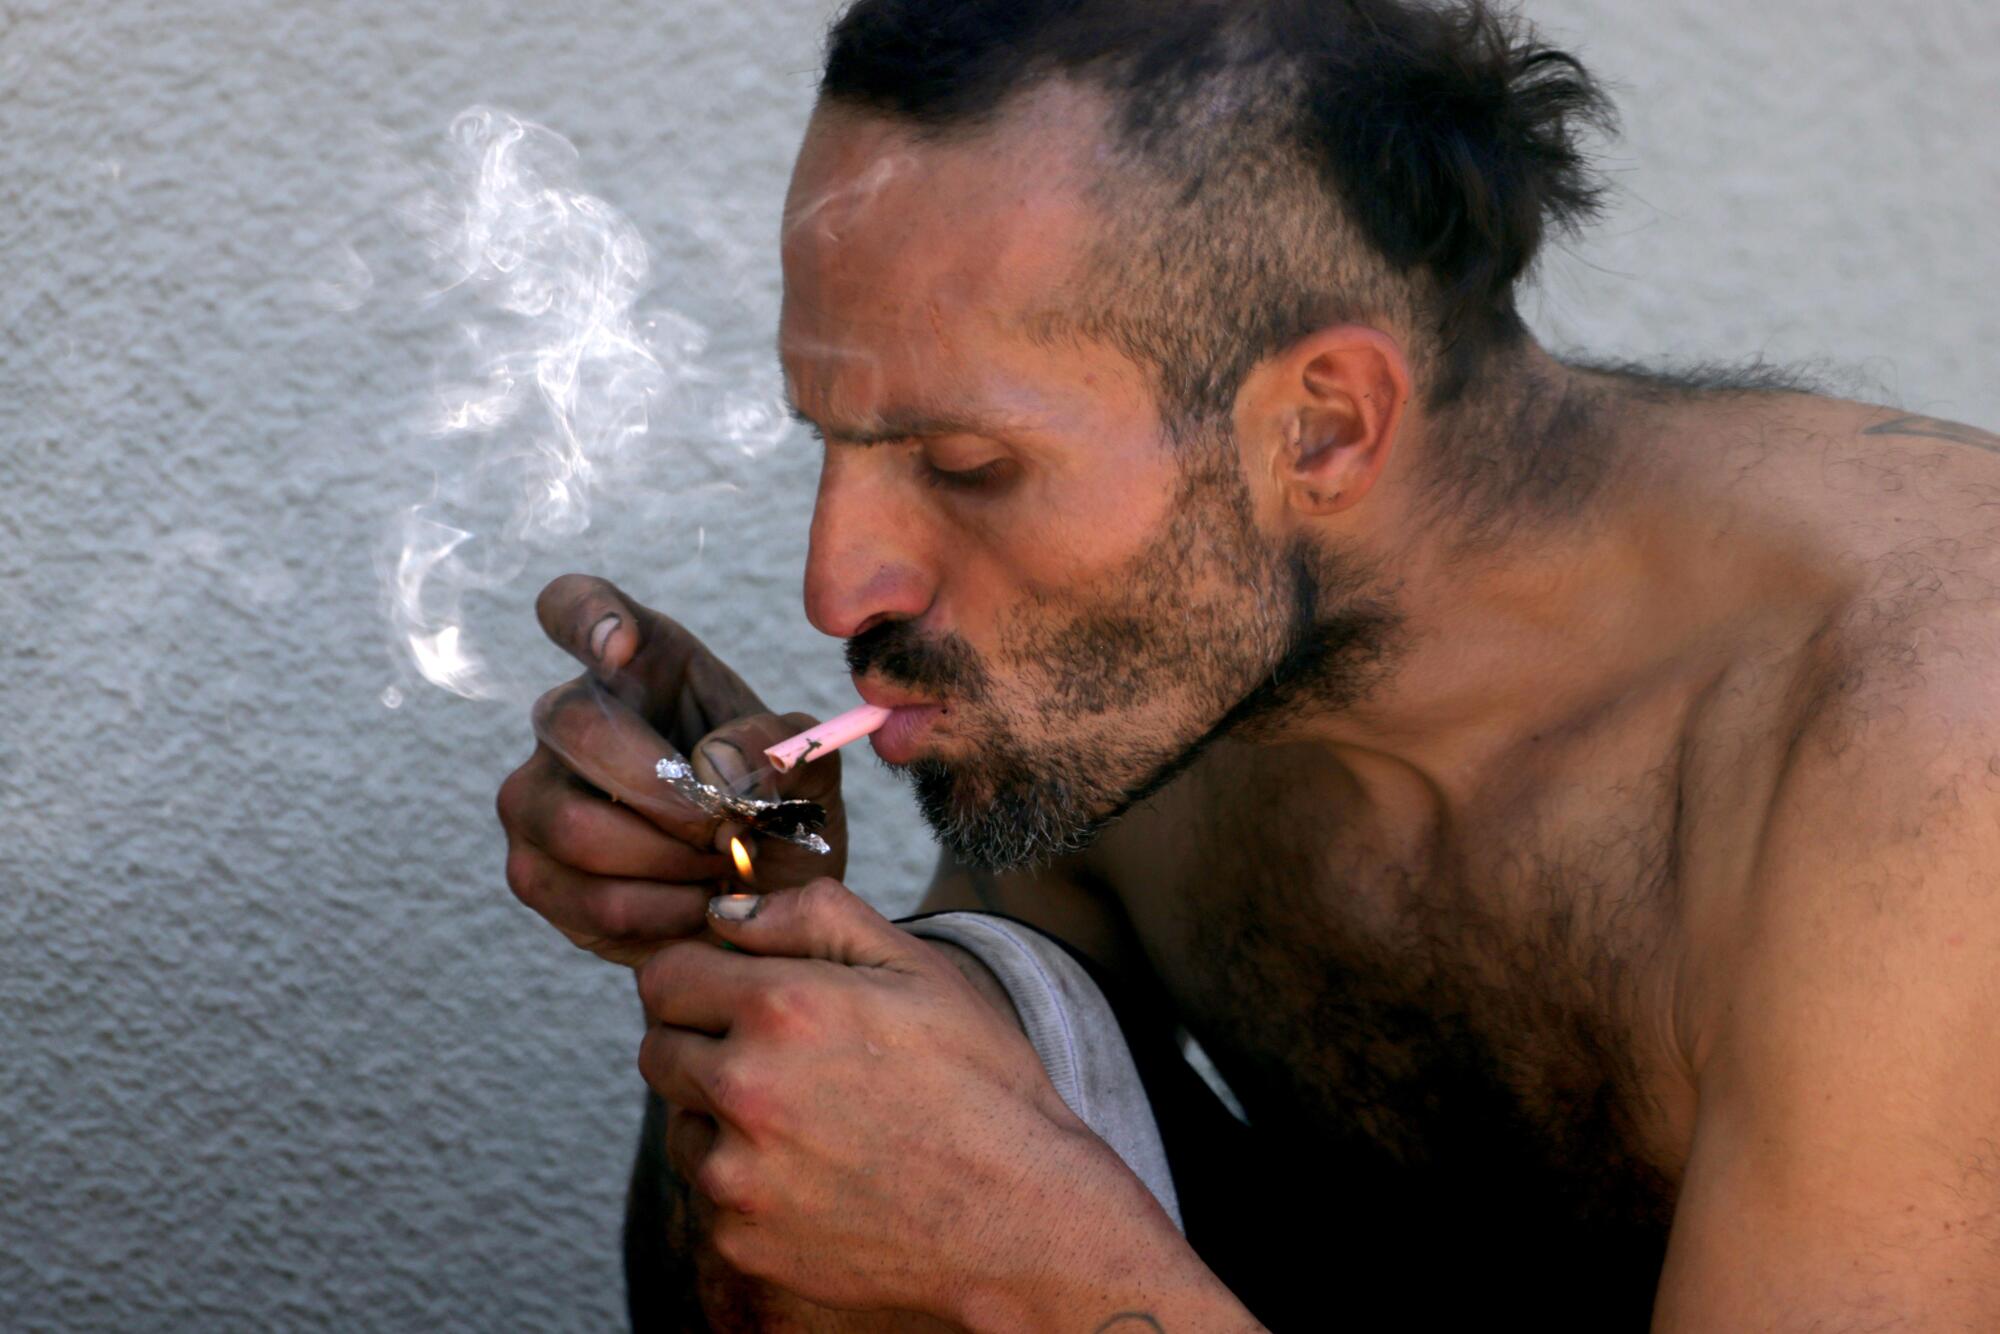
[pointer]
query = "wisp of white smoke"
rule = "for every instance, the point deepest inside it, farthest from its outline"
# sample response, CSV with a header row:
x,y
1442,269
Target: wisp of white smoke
x,y
555,386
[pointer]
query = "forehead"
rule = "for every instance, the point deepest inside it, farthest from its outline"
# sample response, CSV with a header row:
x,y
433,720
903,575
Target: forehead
x,y
923,269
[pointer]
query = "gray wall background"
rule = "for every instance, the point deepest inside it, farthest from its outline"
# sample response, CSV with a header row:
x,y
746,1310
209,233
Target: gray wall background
x,y
279,1049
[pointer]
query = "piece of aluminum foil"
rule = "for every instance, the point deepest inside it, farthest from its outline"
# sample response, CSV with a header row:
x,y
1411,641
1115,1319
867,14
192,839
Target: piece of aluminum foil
x,y
794,821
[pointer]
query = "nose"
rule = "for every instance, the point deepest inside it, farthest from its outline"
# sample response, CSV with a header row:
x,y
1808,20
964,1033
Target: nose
x,y
869,559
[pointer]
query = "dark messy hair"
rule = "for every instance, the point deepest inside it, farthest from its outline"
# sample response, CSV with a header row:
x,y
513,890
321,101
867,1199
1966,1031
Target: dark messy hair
x,y
1285,163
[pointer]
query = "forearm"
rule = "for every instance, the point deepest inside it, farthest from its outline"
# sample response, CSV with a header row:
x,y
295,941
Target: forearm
x,y
1101,1257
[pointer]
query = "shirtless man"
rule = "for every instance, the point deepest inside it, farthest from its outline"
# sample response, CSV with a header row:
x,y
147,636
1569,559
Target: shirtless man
x,y
1563,800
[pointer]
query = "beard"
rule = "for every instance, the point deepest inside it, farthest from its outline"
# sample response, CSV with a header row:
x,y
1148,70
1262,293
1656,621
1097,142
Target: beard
x,y
1213,630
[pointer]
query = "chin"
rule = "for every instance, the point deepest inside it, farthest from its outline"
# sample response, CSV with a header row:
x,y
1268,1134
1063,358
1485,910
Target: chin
x,y
997,825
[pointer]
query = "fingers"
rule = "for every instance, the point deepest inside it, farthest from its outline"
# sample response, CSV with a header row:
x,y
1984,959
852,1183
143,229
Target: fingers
x,y
688,1138
649,660
544,806
735,751
703,1082
591,620
732,758
694,985
823,919
597,911
817,780
680,1066
602,741
697,1149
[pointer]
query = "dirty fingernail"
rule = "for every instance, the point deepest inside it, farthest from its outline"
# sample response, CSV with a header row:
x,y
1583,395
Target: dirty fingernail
x,y
600,634
735,907
726,758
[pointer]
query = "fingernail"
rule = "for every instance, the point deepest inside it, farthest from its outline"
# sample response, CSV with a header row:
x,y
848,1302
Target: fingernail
x,y
735,907
600,634
726,758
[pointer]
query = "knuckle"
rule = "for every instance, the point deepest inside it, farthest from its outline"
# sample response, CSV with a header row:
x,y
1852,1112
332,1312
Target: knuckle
x,y
524,874
754,731
655,980
613,914
736,1247
822,894
793,723
740,1096
710,1180
507,801
566,826
784,1009
564,715
723,1185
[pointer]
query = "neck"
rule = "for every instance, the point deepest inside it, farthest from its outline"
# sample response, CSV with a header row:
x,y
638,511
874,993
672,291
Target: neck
x,y
1622,571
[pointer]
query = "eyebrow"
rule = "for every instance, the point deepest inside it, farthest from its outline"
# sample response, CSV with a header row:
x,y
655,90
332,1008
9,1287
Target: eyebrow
x,y
899,427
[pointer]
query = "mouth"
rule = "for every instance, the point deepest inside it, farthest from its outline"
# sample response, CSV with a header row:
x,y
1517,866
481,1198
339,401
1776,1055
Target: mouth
x,y
898,740
910,719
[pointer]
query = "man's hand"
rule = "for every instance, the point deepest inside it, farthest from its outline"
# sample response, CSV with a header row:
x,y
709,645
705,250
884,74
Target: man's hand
x,y
596,843
864,1129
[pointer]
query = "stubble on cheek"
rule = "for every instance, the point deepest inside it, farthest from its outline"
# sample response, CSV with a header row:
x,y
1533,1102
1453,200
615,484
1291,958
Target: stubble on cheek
x,y
1171,639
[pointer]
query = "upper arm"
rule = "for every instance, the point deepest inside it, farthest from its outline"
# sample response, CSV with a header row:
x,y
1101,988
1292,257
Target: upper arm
x,y
1061,899
1845,1167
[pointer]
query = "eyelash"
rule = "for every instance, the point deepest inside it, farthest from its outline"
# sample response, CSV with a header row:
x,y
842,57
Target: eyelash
x,y
970,479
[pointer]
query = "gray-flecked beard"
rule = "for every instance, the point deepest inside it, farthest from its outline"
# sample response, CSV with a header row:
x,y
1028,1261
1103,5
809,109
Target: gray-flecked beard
x,y
1231,633
1016,807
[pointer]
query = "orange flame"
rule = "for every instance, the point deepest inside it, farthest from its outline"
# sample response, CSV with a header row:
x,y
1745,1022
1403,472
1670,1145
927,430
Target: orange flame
x,y
742,857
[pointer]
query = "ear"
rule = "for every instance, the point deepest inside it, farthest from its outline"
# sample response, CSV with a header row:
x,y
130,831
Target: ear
x,y
1326,411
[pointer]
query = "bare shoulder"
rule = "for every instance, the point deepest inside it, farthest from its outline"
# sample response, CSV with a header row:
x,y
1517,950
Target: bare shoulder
x,y
1890,782
1882,782
1836,431
1906,508
1951,467
1847,1062
1855,420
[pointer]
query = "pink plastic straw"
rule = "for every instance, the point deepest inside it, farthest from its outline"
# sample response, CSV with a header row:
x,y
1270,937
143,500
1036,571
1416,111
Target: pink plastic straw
x,y
828,736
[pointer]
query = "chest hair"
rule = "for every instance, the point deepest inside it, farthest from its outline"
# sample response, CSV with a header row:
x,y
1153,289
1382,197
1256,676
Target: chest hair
x,y
1461,1032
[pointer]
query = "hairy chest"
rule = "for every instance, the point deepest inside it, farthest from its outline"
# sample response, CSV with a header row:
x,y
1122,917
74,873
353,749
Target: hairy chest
x,y
1471,1031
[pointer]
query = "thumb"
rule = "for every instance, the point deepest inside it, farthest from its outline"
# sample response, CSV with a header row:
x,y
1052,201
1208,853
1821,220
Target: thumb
x,y
820,920
650,661
735,750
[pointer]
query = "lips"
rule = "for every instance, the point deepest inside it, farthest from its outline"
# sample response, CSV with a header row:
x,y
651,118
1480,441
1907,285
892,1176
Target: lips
x,y
898,740
887,697
910,717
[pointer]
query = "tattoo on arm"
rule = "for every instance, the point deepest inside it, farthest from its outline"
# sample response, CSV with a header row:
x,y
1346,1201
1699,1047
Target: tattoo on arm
x,y
1130,1322
1933,428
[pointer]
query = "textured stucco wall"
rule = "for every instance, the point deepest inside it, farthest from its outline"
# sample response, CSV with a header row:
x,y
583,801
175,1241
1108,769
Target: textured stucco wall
x,y
279,1049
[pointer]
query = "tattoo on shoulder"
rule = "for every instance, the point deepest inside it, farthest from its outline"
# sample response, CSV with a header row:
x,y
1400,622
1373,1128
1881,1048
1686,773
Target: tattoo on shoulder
x,y
1130,1322
1933,428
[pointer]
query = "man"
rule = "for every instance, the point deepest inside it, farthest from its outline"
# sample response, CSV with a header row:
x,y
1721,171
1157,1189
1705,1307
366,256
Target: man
x,y
1561,799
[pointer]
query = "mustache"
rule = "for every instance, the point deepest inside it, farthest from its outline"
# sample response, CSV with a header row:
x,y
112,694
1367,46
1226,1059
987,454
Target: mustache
x,y
897,652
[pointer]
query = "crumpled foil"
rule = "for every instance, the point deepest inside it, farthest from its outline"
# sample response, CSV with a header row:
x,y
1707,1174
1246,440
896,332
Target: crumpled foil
x,y
794,821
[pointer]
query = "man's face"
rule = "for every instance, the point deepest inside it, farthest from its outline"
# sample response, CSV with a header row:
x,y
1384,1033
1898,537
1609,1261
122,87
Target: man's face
x,y
1002,527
